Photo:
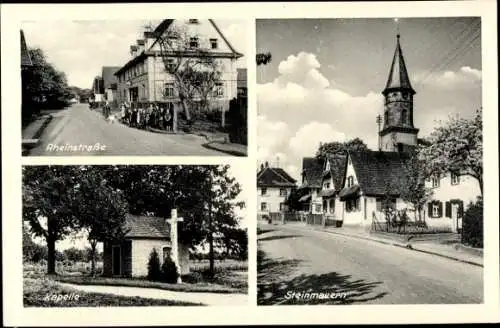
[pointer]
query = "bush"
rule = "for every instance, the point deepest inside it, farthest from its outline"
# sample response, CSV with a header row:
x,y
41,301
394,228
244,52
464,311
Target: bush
x,y
154,270
169,271
472,225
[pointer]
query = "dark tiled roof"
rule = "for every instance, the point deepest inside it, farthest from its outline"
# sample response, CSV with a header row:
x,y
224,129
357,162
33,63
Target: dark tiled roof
x,y
338,166
312,169
25,56
379,172
108,76
146,227
349,191
274,177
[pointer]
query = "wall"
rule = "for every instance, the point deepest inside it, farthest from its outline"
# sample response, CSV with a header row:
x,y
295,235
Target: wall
x,y
141,249
387,141
272,198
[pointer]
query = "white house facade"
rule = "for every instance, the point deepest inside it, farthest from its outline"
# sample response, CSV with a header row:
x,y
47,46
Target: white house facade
x,y
274,185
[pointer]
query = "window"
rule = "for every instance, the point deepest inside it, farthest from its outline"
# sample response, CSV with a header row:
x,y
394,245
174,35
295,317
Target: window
x,y
219,90
193,21
350,181
327,185
169,90
263,191
283,192
455,178
352,205
263,207
404,116
167,252
193,42
282,206
435,181
332,205
435,210
213,43
317,208
170,65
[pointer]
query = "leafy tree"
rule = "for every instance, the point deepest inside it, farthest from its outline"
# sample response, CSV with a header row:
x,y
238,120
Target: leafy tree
x,y
293,199
102,209
457,146
263,58
48,195
472,233
169,271
75,254
413,190
186,61
154,269
340,148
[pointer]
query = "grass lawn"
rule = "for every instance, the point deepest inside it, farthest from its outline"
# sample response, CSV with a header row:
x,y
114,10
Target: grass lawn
x,y
43,292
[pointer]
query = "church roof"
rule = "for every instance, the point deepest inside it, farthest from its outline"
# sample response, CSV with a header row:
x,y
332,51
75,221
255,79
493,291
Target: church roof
x,y
380,172
312,169
25,56
140,226
274,177
398,75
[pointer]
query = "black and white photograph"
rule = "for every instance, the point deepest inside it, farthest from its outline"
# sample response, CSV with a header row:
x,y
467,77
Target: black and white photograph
x,y
134,235
170,87
370,145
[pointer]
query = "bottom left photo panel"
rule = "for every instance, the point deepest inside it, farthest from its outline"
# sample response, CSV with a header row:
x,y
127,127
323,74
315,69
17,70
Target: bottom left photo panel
x,y
134,235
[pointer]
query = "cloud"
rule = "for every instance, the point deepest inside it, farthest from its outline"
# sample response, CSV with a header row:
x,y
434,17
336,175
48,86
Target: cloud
x,y
465,77
314,110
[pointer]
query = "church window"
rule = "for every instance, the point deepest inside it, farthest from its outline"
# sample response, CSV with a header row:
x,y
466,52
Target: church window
x,y
404,116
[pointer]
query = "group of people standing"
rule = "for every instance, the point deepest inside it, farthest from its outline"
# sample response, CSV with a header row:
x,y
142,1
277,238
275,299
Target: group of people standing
x,y
146,115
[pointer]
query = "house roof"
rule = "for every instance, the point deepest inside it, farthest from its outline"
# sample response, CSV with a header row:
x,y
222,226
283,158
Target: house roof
x,y
398,75
108,76
25,56
338,167
378,172
146,227
312,169
274,177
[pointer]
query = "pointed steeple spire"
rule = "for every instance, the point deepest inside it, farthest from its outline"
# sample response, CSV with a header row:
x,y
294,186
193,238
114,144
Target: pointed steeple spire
x,y
398,75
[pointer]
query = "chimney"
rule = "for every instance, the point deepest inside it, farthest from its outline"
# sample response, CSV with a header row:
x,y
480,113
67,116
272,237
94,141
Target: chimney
x,y
133,51
267,164
261,167
140,46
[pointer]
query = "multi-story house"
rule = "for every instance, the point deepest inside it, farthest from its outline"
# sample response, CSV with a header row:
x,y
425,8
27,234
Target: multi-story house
x,y
274,185
145,77
110,83
312,170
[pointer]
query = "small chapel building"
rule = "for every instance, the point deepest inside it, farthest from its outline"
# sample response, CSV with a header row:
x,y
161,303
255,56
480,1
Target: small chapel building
x,y
129,257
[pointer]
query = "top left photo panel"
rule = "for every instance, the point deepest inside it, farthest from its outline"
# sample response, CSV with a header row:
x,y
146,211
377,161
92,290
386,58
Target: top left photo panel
x,y
167,87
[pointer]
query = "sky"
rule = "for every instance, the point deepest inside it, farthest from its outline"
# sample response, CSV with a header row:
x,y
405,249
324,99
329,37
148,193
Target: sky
x,y
326,76
82,48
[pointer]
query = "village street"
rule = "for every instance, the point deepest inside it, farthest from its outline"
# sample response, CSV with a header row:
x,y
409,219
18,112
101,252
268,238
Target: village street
x,y
294,258
78,125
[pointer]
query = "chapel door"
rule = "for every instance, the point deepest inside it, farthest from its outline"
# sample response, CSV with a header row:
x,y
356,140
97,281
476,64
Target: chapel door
x,y
116,260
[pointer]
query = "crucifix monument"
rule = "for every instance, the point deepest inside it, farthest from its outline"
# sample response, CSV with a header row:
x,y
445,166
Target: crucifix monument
x,y
174,239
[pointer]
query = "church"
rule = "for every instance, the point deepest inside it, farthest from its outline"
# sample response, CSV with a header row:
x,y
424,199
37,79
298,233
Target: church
x,y
370,180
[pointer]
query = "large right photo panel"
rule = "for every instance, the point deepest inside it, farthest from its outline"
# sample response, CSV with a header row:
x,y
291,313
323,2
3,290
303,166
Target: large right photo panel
x,y
370,151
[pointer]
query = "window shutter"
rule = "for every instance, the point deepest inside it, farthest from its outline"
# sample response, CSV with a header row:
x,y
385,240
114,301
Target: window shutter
x,y
448,209
440,209
429,209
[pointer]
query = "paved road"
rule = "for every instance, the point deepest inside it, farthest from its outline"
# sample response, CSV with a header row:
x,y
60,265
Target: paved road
x,y
204,298
78,125
297,259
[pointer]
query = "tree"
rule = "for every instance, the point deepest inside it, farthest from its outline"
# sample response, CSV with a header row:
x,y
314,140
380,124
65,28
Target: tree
x,y
102,209
456,146
185,59
75,254
293,199
169,271
48,195
263,58
413,190
43,86
154,268
340,148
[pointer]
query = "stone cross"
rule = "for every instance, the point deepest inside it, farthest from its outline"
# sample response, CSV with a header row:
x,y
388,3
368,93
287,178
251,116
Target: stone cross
x,y
174,239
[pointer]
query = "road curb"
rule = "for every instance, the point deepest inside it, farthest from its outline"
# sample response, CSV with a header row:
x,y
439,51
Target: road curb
x,y
406,246
28,143
230,152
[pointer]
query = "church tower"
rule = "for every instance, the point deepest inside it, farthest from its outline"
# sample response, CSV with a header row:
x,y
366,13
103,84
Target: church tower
x,y
398,131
